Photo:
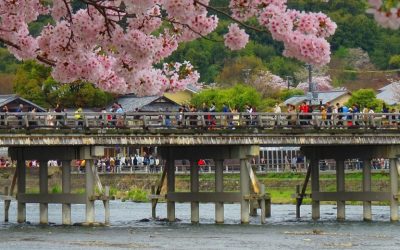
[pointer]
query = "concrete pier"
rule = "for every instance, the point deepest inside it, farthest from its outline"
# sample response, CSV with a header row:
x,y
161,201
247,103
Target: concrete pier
x,y
367,205
340,187
219,187
66,189
244,191
43,188
394,184
170,189
21,184
194,188
316,214
90,184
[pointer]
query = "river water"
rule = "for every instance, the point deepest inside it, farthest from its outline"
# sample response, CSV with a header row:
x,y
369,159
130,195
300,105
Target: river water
x,y
128,231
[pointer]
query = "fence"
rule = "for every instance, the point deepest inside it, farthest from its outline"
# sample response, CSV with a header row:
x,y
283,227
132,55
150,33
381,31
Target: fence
x,y
207,120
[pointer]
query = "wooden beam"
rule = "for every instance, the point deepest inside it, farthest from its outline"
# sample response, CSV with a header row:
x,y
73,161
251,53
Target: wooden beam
x,y
52,198
205,197
351,196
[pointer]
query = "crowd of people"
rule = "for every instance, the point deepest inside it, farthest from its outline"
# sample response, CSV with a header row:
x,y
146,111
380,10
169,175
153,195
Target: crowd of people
x,y
340,115
323,115
117,164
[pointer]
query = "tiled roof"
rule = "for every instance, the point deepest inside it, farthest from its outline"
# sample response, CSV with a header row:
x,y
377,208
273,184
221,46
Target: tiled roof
x,y
5,99
324,96
130,103
390,86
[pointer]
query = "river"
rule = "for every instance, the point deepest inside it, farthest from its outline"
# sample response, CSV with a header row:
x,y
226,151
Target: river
x,y
128,231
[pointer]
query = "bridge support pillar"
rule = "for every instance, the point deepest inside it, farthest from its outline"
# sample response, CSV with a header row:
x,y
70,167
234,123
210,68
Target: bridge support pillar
x,y
44,189
340,187
21,172
90,182
219,187
245,191
315,213
367,205
394,184
170,188
194,188
66,189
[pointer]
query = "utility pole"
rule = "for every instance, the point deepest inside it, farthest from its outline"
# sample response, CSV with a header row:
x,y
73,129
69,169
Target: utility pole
x,y
246,75
310,84
288,81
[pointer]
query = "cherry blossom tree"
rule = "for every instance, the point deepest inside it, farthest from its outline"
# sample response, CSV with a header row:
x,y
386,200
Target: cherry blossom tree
x,y
386,12
321,83
115,43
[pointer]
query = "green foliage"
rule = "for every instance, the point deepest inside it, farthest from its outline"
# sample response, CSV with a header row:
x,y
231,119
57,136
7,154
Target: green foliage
x,y
137,195
394,62
33,82
364,98
236,96
56,189
287,93
8,63
342,52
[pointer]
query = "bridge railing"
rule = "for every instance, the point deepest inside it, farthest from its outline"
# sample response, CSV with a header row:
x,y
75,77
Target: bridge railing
x,y
197,120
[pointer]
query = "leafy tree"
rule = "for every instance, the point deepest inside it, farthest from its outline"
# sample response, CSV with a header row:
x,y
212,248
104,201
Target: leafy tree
x,y
287,93
236,96
33,82
394,62
364,98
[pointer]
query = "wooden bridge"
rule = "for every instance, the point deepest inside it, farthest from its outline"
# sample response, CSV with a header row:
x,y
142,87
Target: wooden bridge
x,y
193,136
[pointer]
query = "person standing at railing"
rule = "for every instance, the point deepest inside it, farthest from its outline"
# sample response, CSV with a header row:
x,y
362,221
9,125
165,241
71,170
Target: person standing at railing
x,y
393,118
304,109
32,117
248,118
292,117
226,119
120,116
79,117
59,117
324,117
49,119
213,109
207,117
193,118
20,109
329,111
235,117
385,111
371,117
167,118
103,117
4,116
179,117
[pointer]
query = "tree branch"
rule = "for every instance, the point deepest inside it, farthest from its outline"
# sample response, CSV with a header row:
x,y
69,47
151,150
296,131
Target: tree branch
x,y
229,16
39,58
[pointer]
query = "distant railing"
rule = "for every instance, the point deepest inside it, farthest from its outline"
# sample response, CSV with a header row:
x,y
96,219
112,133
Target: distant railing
x,y
198,120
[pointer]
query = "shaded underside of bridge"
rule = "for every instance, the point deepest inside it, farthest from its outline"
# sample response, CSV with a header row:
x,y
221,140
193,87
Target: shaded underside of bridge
x,y
198,137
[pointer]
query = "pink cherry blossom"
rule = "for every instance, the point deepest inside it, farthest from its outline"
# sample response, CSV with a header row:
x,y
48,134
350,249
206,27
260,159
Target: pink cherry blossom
x,y
236,38
116,43
386,13
321,83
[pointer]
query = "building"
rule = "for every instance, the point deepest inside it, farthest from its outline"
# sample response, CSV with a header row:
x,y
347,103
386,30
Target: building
x,y
333,96
171,101
390,94
13,101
